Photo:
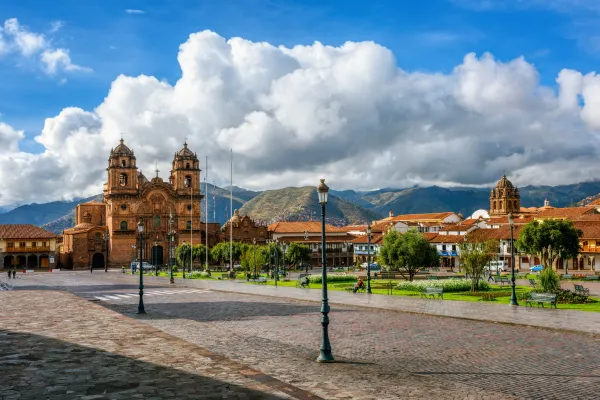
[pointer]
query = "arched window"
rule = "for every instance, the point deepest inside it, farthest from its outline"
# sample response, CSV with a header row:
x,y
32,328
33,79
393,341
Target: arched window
x,y
494,204
123,179
123,163
157,221
187,165
87,217
500,204
123,225
188,225
516,206
187,181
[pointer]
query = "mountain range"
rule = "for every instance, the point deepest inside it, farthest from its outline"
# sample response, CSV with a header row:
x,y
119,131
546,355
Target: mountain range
x,y
344,206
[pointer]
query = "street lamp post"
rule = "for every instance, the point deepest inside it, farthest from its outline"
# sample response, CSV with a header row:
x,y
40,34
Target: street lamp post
x,y
106,259
141,303
513,294
170,235
369,259
184,262
254,251
276,256
284,245
325,354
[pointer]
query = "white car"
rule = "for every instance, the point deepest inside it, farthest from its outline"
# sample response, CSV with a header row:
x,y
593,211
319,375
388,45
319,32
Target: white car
x,y
501,266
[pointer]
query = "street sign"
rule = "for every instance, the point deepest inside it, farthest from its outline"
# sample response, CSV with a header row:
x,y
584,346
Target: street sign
x,y
51,260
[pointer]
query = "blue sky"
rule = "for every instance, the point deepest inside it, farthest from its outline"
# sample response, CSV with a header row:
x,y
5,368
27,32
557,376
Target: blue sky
x,y
428,35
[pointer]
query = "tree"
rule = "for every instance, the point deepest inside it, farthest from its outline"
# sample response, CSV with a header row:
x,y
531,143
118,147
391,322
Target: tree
x,y
182,253
408,253
297,254
549,239
199,254
221,252
254,256
474,257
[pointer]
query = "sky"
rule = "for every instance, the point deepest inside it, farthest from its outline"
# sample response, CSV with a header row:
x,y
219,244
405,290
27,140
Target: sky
x,y
365,94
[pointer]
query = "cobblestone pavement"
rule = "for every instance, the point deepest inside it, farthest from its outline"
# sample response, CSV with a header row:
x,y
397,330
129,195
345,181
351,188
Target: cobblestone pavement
x,y
588,322
54,345
381,354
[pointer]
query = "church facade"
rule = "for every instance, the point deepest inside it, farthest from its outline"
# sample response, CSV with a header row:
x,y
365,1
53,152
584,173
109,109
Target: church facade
x,y
504,199
106,233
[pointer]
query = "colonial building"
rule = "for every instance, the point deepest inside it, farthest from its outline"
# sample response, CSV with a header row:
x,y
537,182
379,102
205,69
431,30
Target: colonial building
x,y
27,246
504,198
108,230
245,230
339,243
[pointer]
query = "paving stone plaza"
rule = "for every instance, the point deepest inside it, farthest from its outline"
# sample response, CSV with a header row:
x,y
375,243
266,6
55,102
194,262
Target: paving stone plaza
x,y
72,335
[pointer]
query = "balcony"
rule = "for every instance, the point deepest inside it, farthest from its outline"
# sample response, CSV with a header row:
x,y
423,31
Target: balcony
x,y
590,249
37,249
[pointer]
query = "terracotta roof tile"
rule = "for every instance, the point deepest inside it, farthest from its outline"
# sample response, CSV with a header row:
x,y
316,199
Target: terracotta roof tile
x,y
590,229
416,217
315,239
502,233
301,227
430,235
24,231
568,212
455,228
448,239
375,239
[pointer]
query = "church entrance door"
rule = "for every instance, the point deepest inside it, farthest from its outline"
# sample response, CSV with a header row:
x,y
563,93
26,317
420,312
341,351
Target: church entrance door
x,y
157,255
98,261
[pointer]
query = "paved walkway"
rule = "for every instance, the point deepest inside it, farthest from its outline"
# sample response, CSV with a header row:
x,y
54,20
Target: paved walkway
x,y
54,345
570,320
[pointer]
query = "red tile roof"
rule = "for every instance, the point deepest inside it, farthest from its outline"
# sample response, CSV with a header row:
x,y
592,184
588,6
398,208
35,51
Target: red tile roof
x,y
502,233
23,231
416,217
455,228
590,229
375,239
448,239
568,212
301,227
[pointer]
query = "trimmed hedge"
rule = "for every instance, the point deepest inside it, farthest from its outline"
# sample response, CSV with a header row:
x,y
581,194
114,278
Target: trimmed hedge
x,y
333,278
449,285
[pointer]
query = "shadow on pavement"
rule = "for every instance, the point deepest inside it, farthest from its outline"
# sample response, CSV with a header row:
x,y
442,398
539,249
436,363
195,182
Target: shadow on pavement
x,y
38,367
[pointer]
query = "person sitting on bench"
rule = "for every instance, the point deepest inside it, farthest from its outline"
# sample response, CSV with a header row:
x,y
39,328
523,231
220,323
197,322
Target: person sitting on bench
x,y
359,285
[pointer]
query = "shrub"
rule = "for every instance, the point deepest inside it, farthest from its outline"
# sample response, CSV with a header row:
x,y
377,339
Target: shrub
x,y
548,281
491,296
567,297
333,278
198,275
449,285
175,268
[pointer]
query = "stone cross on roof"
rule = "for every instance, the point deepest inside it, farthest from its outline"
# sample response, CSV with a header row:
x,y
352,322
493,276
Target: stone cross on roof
x,y
156,170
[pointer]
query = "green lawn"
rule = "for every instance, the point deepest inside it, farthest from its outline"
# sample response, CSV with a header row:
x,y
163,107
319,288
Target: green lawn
x,y
594,305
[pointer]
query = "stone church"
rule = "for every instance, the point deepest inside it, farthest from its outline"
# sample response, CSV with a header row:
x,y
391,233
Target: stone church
x,y
504,199
106,233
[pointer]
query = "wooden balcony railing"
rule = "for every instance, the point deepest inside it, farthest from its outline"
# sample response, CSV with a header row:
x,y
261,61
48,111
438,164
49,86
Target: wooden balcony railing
x,y
27,249
590,249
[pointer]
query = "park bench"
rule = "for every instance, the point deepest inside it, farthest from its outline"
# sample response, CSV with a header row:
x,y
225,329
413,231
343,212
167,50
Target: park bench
x,y
532,283
302,281
579,289
432,277
540,299
503,280
260,279
432,292
385,275
591,278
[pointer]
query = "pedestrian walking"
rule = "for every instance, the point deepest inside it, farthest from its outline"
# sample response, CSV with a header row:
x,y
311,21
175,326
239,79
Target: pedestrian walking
x,y
14,273
490,276
9,271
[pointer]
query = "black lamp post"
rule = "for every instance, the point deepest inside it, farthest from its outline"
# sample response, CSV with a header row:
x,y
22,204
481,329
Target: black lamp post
x,y
254,251
513,294
155,256
369,259
106,259
184,261
276,255
170,236
141,303
325,354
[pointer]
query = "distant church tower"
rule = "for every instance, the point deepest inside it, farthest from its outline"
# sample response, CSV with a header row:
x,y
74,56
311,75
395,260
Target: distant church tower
x,y
504,198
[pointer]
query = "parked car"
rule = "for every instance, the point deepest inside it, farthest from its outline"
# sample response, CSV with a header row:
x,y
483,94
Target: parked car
x,y
501,266
145,266
536,268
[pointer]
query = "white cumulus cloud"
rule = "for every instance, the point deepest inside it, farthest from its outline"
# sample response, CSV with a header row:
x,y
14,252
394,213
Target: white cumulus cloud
x,y
348,113
134,11
21,41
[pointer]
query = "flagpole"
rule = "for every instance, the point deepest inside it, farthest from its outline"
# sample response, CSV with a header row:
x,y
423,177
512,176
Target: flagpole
x,y
206,204
231,216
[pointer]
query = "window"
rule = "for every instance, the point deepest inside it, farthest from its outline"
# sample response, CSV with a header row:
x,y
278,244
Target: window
x,y
157,221
123,225
123,163
123,207
500,203
44,244
188,225
189,207
453,247
33,244
21,244
98,236
443,247
123,179
187,165
494,205
10,244
187,181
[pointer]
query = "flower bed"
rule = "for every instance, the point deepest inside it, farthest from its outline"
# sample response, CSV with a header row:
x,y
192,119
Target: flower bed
x,y
449,285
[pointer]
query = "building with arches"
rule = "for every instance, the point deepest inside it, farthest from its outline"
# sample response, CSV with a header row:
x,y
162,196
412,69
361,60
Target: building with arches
x,y
106,232
504,198
27,246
